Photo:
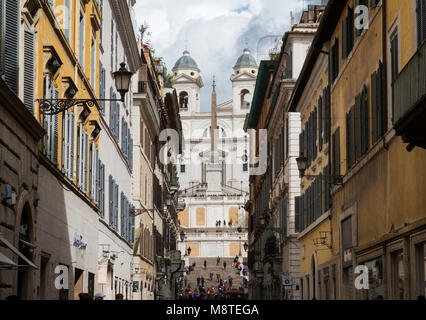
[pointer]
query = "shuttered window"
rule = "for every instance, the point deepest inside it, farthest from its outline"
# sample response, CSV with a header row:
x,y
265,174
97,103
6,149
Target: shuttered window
x,y
320,124
102,86
334,62
67,18
315,134
365,121
115,201
336,152
101,189
93,65
348,33
94,173
394,56
298,214
68,143
350,139
11,44
51,124
123,215
326,189
421,21
379,112
327,114
81,48
29,69
111,201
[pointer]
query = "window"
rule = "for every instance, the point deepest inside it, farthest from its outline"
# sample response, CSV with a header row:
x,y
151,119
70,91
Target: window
x,y
82,158
336,153
67,18
333,66
68,143
182,168
101,189
375,280
183,100
397,274
420,265
113,203
10,30
94,173
288,72
378,109
112,45
29,69
82,40
245,167
421,21
394,56
51,124
348,33
93,64
102,87
350,138
245,98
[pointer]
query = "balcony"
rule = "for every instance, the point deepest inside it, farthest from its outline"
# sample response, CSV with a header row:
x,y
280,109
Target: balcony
x,y
409,97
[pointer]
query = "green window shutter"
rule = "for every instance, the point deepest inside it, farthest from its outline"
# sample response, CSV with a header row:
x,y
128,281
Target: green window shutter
x,y
345,38
86,162
111,109
116,206
29,69
320,124
366,118
71,146
11,44
374,118
122,219
357,127
64,144
111,201
297,203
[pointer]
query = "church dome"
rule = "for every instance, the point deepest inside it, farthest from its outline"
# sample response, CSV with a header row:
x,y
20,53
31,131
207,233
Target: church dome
x,y
186,62
246,60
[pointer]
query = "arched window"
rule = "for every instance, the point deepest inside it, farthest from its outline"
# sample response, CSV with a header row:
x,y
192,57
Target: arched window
x,y
245,98
183,100
221,132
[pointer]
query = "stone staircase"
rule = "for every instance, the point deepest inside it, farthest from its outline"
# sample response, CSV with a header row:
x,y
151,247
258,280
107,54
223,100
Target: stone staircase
x,y
237,279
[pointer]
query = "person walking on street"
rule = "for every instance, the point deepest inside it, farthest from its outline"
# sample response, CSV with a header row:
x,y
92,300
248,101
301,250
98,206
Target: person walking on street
x,y
218,277
205,264
224,265
211,276
217,260
198,281
202,281
230,282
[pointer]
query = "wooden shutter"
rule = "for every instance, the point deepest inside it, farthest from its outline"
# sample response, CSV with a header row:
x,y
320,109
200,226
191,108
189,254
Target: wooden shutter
x,y
29,69
345,38
122,219
111,110
64,156
336,60
117,119
374,110
55,135
11,44
320,124
111,201
315,137
86,161
71,146
357,128
123,136
366,119
297,216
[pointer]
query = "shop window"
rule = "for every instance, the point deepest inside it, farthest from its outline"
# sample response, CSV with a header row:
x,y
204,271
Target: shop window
x,y
420,270
376,286
397,273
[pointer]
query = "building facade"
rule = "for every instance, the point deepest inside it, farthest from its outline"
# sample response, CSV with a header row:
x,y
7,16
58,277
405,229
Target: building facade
x,y
213,172
375,217
116,233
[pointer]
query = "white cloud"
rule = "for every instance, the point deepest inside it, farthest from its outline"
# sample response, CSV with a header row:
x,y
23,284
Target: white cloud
x,y
216,30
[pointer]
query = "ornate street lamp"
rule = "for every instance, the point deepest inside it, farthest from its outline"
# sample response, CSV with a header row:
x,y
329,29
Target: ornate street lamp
x,y
302,164
245,246
54,106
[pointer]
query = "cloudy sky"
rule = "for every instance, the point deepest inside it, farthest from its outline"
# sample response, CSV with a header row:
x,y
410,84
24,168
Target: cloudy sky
x,y
216,32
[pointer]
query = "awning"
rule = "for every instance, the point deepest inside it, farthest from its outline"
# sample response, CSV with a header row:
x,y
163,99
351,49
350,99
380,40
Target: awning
x,y
5,262
19,254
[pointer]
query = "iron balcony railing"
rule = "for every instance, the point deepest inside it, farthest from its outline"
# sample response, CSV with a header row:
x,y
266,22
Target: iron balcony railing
x,y
409,87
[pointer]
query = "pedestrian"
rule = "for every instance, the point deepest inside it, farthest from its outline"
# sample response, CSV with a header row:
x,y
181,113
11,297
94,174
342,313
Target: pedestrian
x,y
185,279
224,223
218,277
211,276
198,281
202,281
230,282
205,264
217,261
98,296
224,265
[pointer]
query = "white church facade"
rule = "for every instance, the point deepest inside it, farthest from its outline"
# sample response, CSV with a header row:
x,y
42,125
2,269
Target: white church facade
x,y
213,173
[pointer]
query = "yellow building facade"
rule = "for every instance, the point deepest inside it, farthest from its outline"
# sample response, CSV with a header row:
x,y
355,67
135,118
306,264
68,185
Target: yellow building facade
x,y
377,220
